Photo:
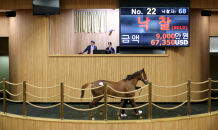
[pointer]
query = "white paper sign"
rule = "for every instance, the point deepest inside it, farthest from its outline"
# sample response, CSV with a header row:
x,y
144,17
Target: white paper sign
x,y
100,83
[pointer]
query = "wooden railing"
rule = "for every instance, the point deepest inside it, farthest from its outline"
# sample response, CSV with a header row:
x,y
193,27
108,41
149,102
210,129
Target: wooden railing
x,y
106,87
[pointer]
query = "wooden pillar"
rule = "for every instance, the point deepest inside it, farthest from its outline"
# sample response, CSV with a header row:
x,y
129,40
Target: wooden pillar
x,y
189,97
62,100
105,101
209,96
150,101
4,96
24,98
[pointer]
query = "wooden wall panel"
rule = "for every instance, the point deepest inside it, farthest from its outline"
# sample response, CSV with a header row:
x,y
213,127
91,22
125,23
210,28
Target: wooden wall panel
x,y
64,4
28,49
4,25
63,37
213,24
206,4
16,4
29,61
198,122
94,4
64,40
89,4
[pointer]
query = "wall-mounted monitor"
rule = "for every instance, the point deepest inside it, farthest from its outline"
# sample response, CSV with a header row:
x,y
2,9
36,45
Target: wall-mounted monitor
x,y
46,7
154,26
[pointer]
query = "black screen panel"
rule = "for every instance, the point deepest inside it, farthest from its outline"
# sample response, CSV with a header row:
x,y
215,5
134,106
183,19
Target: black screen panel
x,y
46,7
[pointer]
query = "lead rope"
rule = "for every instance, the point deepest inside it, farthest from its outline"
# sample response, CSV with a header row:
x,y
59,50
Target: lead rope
x,y
139,94
141,89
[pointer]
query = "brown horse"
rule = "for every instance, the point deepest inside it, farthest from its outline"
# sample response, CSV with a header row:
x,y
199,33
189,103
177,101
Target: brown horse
x,y
124,85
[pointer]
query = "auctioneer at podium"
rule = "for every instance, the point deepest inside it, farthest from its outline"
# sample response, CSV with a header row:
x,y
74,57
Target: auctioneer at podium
x,y
90,48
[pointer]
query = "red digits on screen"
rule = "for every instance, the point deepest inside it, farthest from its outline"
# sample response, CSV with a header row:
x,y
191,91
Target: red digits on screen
x,y
164,42
173,35
172,42
157,42
164,36
168,42
170,39
168,36
152,42
157,36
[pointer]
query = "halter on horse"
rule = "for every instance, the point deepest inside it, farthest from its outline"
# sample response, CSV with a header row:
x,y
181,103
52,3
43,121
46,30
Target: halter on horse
x,y
124,85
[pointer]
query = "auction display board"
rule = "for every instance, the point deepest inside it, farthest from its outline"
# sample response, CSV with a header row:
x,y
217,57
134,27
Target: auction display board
x,y
154,26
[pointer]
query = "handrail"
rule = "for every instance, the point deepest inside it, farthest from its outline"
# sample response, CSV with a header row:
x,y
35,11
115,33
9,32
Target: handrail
x,y
42,87
84,98
13,83
200,82
214,80
170,95
13,94
105,95
170,86
128,97
128,91
83,109
127,108
199,100
84,89
200,91
169,108
42,97
42,107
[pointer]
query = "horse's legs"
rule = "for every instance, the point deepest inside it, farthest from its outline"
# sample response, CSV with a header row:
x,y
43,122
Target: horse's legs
x,y
121,105
91,105
134,104
99,107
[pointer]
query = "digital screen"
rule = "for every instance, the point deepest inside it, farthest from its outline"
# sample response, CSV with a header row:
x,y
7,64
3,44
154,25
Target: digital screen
x,y
46,7
154,26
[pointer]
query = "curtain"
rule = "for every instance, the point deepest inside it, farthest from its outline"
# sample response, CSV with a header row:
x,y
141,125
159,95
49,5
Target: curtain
x,y
90,21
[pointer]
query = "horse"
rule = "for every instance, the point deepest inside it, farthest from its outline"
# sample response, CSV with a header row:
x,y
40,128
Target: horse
x,y
124,85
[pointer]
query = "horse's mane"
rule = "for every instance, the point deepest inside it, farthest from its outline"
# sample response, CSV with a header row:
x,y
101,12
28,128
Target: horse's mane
x,y
129,77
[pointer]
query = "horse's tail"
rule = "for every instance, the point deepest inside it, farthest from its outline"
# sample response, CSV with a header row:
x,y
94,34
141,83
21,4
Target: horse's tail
x,y
83,91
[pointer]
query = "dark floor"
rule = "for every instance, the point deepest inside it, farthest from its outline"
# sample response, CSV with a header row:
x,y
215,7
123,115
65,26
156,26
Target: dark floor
x,y
196,108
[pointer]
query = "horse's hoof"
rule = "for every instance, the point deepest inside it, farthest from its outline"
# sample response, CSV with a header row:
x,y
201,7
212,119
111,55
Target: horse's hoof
x,y
140,117
118,117
100,113
93,118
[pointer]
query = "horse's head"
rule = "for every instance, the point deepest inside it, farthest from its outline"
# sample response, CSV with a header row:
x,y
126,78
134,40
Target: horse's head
x,y
144,78
139,75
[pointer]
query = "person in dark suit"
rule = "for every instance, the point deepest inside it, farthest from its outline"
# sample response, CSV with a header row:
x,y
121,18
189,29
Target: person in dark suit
x,y
90,48
110,49
126,101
